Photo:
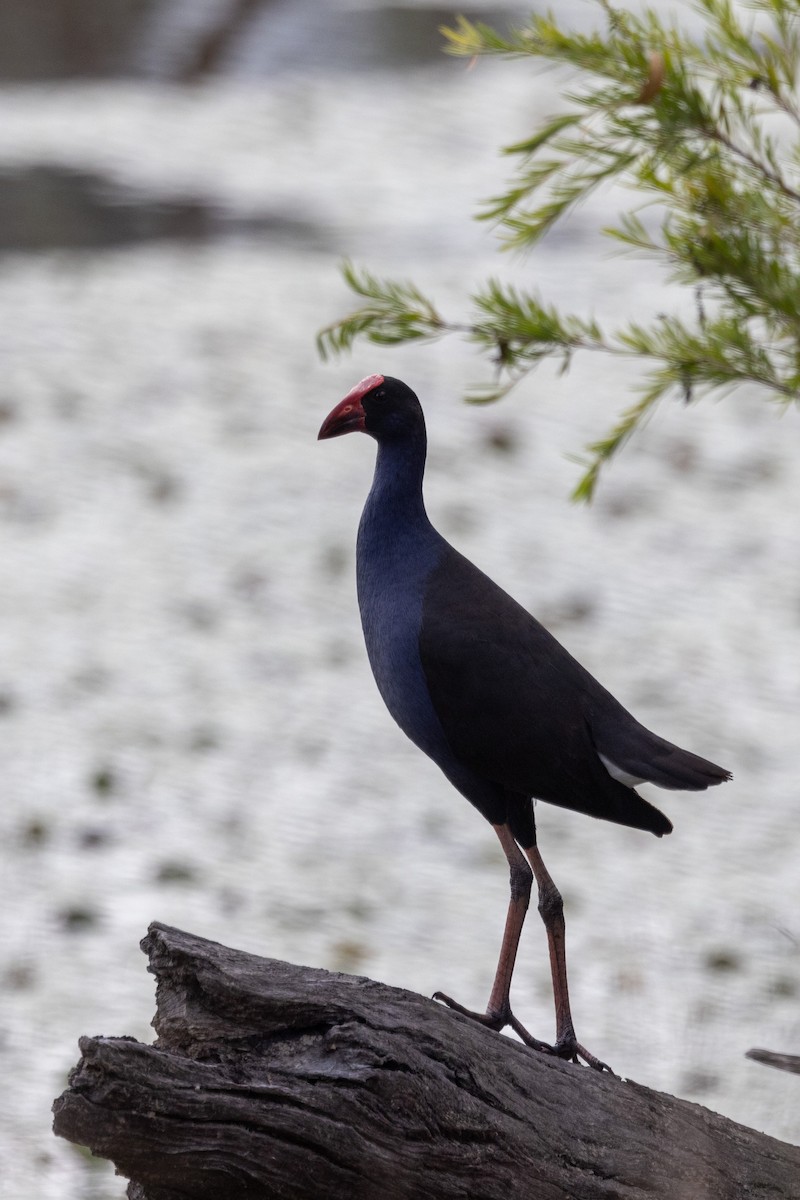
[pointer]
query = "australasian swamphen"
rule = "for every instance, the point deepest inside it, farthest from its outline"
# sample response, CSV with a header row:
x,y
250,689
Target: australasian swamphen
x,y
489,694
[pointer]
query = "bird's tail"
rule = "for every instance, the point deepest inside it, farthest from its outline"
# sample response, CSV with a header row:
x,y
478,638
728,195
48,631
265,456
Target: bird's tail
x,y
644,757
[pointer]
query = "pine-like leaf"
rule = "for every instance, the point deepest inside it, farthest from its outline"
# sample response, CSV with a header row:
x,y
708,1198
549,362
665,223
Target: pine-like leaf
x,y
705,129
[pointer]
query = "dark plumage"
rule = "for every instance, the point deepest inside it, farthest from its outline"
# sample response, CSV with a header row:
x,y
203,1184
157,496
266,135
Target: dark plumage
x,y
479,685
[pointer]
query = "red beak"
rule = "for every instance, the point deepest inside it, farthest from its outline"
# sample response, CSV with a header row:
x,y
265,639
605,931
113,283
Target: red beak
x,y
349,416
345,418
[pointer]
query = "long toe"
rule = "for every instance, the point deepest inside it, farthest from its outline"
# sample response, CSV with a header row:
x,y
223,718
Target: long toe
x,y
528,1038
596,1064
574,1052
497,1021
492,1020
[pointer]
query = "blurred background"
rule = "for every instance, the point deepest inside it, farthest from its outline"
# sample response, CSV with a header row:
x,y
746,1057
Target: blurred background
x,y
188,728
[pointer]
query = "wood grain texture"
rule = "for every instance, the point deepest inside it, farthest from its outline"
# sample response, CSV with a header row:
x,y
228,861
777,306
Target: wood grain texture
x,y
269,1080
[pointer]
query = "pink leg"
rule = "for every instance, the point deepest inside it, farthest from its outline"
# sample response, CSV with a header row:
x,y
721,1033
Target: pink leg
x,y
551,909
498,1011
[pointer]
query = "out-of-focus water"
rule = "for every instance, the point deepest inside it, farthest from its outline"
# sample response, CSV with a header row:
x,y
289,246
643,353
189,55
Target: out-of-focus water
x,y
189,728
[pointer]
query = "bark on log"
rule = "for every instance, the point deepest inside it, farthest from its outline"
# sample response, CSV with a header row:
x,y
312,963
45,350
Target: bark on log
x,y
269,1080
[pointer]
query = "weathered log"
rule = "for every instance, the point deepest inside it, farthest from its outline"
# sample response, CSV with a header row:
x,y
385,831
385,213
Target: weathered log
x,y
270,1080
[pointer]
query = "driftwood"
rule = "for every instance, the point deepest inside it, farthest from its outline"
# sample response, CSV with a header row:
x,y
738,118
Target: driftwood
x,y
275,1081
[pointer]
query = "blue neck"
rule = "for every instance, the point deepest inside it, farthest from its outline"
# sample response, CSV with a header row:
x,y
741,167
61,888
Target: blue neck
x,y
398,548
395,500
397,544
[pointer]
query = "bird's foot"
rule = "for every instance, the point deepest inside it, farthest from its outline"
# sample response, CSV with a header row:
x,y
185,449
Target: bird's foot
x,y
566,1047
497,1020
569,1048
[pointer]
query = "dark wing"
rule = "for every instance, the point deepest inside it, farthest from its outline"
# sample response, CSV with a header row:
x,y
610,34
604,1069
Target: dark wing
x,y
519,709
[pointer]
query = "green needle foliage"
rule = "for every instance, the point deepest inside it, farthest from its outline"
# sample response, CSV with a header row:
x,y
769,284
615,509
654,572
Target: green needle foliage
x,y
706,130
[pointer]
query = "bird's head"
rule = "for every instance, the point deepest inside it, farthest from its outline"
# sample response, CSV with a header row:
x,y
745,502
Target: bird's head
x,y
379,405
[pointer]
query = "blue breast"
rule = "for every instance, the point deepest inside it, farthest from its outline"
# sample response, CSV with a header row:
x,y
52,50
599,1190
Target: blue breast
x,y
398,551
394,561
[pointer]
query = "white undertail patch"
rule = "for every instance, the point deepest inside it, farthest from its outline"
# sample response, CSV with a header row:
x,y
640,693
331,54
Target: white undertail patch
x,y
619,774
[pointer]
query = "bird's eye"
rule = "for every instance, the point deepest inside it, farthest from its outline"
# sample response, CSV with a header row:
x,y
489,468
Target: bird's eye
x,y
379,395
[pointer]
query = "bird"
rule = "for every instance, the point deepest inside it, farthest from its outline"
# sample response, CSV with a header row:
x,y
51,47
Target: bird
x,y
490,695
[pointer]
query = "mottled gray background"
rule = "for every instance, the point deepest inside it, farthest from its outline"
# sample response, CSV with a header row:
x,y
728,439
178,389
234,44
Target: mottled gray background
x,y
188,727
